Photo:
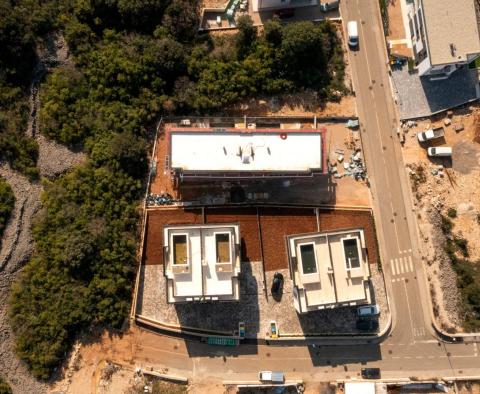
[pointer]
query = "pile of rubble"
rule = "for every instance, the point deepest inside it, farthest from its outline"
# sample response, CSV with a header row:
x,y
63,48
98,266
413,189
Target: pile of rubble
x,y
159,199
353,167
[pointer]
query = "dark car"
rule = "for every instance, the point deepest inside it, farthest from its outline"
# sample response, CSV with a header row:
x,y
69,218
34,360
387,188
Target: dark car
x,y
371,373
277,283
367,325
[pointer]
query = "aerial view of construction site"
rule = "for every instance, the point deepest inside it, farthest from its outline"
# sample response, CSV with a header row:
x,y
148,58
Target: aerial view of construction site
x,y
241,196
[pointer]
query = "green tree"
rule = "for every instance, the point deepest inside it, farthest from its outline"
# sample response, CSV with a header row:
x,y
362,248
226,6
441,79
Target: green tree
x,y
7,203
246,36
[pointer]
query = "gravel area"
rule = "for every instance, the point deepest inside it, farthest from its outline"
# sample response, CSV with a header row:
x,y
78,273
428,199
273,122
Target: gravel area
x,y
419,97
15,250
255,308
54,159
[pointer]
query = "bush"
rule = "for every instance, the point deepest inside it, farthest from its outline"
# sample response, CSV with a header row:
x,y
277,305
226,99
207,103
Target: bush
x,y
446,225
4,387
452,213
83,266
7,203
462,245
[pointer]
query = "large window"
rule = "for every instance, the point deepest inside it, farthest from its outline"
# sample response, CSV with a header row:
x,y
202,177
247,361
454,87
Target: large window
x,y
180,249
309,262
350,248
222,245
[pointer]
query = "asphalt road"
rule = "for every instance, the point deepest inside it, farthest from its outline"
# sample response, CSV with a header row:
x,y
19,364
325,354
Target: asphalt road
x,y
411,349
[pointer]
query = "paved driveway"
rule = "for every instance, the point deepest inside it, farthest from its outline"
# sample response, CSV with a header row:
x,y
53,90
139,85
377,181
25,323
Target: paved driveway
x,y
419,97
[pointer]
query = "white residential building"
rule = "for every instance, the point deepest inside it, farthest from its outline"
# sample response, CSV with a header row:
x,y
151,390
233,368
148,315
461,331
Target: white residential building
x,y
329,270
444,34
202,262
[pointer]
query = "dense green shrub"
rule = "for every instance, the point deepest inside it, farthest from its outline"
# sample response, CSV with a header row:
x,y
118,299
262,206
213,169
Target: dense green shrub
x,y
82,270
4,387
7,203
446,224
452,213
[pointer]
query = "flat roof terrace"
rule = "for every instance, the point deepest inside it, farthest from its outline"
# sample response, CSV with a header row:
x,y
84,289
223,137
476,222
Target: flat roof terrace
x,y
201,151
202,262
329,269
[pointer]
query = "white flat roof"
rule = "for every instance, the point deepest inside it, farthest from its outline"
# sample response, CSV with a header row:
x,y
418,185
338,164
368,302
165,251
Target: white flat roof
x,y
359,388
198,273
234,151
321,273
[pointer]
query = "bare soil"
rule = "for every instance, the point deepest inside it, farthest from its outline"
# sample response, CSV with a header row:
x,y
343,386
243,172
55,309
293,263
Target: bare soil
x,y
396,30
455,186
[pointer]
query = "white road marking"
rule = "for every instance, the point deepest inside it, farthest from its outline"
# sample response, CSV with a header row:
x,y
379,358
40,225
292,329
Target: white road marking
x,y
475,348
392,266
411,263
397,265
408,307
401,265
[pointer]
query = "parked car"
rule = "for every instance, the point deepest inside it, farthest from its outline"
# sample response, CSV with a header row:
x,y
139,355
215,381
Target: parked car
x,y
277,283
440,151
370,373
431,134
352,32
273,329
368,310
329,5
285,13
367,325
271,377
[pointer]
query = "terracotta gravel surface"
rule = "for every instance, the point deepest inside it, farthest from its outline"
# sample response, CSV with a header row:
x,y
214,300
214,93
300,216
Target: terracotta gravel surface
x,y
275,225
158,218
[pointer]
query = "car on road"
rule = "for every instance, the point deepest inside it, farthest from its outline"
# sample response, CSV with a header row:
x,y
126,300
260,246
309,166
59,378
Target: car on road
x,y
370,373
329,5
367,325
368,310
440,151
277,283
352,32
271,377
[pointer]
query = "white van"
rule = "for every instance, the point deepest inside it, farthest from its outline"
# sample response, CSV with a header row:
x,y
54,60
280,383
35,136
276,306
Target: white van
x,y
445,151
352,32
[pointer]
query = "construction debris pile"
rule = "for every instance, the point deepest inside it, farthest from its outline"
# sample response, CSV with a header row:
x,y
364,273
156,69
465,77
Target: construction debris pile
x,y
159,199
353,167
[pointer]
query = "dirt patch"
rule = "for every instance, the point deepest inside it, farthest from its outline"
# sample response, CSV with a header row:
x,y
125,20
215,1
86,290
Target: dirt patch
x,y
300,104
440,186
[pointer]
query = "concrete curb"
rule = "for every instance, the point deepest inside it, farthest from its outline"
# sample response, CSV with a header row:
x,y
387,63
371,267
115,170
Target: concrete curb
x,y
266,205
194,333
171,378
